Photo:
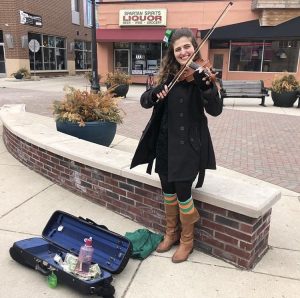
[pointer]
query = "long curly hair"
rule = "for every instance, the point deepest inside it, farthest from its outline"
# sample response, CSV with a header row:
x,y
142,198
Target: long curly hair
x,y
169,65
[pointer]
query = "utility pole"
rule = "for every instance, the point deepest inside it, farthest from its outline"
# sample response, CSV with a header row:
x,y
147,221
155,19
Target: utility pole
x,y
95,87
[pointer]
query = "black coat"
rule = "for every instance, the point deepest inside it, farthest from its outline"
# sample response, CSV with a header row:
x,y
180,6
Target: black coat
x,y
190,149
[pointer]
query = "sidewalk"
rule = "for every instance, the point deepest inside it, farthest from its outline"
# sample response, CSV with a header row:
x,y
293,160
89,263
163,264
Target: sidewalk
x,y
28,200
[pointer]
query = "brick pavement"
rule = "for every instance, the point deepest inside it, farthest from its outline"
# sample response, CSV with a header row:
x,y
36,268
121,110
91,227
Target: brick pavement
x,y
262,145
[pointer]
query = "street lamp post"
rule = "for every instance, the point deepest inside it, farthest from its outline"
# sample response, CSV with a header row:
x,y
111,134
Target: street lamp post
x,y
95,87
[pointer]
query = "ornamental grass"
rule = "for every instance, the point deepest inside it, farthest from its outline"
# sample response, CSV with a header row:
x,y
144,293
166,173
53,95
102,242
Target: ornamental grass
x,y
83,106
285,83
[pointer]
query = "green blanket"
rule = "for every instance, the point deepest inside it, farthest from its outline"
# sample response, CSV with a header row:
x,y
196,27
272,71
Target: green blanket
x,y
144,242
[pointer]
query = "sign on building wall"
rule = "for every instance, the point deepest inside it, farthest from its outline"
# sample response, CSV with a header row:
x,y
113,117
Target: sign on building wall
x,y
30,19
143,17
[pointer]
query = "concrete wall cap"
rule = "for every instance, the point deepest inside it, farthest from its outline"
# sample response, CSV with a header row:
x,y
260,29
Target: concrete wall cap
x,y
243,197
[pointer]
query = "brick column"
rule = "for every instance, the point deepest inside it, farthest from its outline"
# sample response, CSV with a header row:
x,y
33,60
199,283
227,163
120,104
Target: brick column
x,y
237,238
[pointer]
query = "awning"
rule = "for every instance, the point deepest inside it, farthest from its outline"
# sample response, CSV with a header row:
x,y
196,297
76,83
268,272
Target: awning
x,y
252,30
132,35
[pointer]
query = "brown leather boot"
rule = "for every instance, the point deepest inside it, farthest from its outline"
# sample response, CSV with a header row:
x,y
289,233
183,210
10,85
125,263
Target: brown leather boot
x,y
187,236
172,230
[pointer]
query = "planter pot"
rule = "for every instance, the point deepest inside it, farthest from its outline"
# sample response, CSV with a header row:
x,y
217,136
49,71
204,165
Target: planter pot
x,y
120,90
18,76
99,132
284,99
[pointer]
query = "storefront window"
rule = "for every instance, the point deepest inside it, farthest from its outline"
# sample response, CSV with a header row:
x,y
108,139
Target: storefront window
x,y
2,58
51,55
121,60
37,58
246,56
264,56
281,56
83,54
145,58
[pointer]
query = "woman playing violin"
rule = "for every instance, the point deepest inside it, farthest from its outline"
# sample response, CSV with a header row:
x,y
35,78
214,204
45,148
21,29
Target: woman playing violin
x,y
177,136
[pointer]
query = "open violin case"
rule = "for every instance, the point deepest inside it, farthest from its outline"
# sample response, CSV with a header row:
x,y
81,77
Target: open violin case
x,y
65,233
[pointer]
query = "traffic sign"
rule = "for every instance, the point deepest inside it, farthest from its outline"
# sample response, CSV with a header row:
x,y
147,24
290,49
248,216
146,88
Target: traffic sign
x,y
34,45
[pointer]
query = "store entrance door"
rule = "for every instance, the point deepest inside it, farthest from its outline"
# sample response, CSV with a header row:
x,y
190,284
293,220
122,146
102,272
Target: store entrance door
x,y
121,60
2,60
218,64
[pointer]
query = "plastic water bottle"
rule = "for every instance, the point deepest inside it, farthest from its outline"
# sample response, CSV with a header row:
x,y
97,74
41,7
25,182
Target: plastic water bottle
x,y
85,256
52,280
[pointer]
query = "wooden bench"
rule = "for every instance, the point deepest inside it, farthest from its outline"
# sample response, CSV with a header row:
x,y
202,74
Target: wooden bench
x,y
244,88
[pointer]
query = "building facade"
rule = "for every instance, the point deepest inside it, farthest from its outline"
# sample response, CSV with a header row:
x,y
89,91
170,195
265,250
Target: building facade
x,y
255,40
47,37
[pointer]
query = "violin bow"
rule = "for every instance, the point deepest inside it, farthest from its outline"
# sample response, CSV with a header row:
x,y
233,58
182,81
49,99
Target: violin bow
x,y
207,35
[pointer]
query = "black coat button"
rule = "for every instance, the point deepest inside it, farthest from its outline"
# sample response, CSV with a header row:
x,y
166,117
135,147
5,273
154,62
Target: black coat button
x,y
181,127
181,100
181,115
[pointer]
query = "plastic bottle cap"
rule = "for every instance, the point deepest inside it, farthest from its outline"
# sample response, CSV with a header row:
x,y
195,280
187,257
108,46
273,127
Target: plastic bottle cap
x,y
88,241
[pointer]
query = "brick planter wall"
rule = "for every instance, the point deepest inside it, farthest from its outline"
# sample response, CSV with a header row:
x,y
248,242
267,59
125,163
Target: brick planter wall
x,y
236,238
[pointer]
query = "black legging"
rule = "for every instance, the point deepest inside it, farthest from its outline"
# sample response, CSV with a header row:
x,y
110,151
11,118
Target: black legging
x,y
183,189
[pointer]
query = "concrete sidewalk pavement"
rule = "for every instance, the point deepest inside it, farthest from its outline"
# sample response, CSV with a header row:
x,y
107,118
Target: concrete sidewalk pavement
x,y
28,200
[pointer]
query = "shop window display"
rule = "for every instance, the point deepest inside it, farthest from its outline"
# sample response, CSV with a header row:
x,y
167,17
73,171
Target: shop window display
x,y
264,56
83,55
51,55
38,55
145,58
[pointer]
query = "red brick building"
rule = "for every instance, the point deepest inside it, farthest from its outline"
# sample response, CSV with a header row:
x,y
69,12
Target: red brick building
x,y
58,30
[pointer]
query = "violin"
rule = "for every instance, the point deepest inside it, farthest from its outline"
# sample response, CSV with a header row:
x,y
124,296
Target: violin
x,y
201,66
190,63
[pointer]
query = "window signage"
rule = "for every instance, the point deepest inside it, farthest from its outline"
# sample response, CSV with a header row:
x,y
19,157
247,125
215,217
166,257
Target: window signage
x,y
143,17
30,19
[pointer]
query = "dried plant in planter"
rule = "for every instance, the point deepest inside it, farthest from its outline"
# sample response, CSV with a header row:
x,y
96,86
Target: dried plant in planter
x,y
22,72
284,83
83,106
117,78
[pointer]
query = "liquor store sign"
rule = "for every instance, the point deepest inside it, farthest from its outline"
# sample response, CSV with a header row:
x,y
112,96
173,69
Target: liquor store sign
x,y
143,17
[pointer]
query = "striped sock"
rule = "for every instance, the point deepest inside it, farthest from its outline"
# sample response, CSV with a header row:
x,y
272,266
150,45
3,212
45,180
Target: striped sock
x,y
187,207
170,199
